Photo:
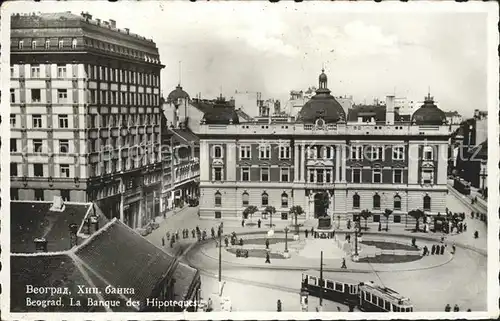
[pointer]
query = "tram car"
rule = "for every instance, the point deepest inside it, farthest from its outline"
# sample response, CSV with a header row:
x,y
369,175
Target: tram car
x,y
461,186
366,296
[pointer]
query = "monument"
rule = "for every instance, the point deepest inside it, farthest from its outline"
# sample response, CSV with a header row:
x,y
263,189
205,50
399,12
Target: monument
x,y
325,228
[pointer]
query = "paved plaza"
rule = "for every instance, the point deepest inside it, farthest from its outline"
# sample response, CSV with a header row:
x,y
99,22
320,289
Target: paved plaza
x,y
431,281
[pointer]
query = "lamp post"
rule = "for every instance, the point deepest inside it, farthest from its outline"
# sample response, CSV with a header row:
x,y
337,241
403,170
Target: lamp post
x,y
356,238
483,177
286,239
321,283
220,261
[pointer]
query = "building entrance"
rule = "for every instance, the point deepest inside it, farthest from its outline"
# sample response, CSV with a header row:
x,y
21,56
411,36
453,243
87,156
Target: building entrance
x,y
321,203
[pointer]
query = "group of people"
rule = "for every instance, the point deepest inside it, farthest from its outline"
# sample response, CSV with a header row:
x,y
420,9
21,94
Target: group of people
x,y
447,308
436,249
195,233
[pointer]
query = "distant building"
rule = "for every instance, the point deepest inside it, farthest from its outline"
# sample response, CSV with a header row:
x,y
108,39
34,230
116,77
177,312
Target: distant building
x,y
248,102
298,99
81,248
405,106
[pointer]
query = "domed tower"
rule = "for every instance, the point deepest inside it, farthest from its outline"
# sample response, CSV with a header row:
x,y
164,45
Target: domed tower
x,y
177,102
322,107
428,114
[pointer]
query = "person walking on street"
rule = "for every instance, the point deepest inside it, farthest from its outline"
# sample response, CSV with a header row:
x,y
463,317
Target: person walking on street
x,y
453,249
162,241
344,266
212,232
259,222
241,241
476,234
312,231
306,232
226,241
465,227
209,305
193,232
447,308
267,244
456,308
168,236
242,223
279,306
433,249
268,258
442,249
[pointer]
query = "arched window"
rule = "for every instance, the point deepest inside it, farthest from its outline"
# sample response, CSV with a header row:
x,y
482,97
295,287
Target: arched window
x,y
284,200
427,203
217,152
265,199
397,203
218,199
356,201
376,201
244,199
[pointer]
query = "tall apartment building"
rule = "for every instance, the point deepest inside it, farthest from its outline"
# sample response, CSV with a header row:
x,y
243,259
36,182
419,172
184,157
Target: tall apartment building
x,y
85,114
326,163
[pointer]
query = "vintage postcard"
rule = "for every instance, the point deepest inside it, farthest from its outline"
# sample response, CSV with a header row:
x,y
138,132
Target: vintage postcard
x,y
249,160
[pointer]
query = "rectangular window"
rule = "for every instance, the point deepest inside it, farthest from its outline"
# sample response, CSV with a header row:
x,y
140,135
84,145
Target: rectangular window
x,y
47,44
328,176
13,145
92,96
36,95
64,146
63,121
14,194
397,218
38,170
245,174
265,152
11,71
427,176
311,176
218,214
13,169
284,216
245,152
12,96
37,121
61,44
39,195
61,71
65,195
356,152
37,145
377,152
319,176
376,217
35,71
356,175
284,152
428,153
285,174
21,44
12,120
62,96
377,175
218,173
65,170
264,174
398,153
398,176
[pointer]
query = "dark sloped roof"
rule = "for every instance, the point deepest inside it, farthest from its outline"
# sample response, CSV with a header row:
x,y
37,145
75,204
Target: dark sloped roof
x,y
30,220
429,114
184,276
242,115
126,259
47,271
221,115
201,105
323,106
185,136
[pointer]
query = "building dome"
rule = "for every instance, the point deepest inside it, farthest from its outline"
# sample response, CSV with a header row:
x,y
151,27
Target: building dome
x,y
322,105
177,93
429,114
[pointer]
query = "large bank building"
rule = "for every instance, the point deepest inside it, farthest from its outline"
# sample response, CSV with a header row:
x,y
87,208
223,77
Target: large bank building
x,y
328,161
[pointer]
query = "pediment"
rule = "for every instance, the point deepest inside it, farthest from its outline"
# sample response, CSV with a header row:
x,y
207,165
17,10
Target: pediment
x,y
217,162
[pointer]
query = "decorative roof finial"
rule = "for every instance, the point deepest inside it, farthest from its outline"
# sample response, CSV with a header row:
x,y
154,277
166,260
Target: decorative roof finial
x,y
180,64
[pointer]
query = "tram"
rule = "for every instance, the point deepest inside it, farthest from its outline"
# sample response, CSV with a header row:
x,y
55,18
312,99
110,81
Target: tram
x,y
366,296
461,186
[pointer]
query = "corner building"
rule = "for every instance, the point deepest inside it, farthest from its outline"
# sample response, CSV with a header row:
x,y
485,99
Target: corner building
x,y
325,164
85,114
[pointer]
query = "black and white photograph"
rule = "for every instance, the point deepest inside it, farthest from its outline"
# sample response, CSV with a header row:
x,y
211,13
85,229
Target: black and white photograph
x,y
249,160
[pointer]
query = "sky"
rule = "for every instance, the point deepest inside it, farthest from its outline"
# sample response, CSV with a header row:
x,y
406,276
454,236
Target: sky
x,y
276,48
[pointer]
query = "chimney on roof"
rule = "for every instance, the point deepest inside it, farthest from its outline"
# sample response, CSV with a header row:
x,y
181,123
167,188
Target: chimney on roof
x,y
127,30
57,204
40,244
112,23
389,110
98,21
73,238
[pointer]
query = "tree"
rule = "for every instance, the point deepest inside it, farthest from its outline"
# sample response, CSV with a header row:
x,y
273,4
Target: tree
x,y
296,211
366,215
271,210
416,214
250,210
387,213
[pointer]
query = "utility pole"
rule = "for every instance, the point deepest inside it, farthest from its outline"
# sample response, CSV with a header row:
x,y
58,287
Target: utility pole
x,y
321,285
220,261
356,237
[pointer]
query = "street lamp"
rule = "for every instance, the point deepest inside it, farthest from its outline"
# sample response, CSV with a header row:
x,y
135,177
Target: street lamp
x,y
356,227
220,261
286,254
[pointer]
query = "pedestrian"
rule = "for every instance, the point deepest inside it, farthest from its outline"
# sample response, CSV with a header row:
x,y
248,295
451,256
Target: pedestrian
x,y
472,214
465,227
379,226
414,242
162,241
453,247
259,222
226,241
279,305
456,308
242,223
469,310
425,251
442,239
268,258
209,305
177,235
433,249
344,266
219,233
204,236
267,244
168,236
193,232
442,250
212,232
476,234
312,231
447,308
241,242
172,241
307,233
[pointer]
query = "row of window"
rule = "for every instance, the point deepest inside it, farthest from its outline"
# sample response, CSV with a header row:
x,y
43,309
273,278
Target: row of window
x,y
325,175
326,152
38,145
246,202
61,43
39,194
39,172
104,73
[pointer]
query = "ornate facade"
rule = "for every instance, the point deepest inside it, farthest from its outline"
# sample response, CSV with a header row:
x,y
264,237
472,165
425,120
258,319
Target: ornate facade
x,y
326,164
85,114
